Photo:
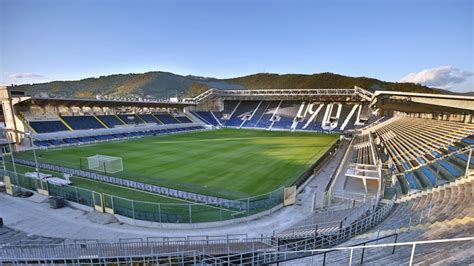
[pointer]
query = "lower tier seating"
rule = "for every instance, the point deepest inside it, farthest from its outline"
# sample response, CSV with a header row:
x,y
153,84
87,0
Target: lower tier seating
x,y
48,126
94,138
445,212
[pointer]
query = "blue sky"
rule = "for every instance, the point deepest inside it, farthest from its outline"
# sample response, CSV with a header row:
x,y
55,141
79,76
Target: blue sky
x,y
429,42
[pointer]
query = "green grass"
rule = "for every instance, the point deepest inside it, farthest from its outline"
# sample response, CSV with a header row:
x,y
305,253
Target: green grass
x,y
227,162
145,202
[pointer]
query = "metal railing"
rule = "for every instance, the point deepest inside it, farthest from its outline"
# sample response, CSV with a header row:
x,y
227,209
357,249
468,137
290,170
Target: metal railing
x,y
186,212
290,255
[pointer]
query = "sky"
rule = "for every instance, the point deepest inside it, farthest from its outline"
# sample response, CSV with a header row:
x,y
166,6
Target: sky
x,y
427,41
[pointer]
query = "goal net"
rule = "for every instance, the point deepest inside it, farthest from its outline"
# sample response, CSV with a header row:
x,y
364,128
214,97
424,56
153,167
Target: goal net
x,y
104,163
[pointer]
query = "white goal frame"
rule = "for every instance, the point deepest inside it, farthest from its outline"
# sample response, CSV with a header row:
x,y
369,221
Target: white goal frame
x,y
105,163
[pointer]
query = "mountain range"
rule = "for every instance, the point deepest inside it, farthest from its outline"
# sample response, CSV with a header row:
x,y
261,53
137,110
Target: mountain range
x,y
160,84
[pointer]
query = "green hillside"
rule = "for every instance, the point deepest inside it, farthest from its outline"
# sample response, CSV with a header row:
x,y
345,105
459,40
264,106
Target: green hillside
x,y
325,80
164,84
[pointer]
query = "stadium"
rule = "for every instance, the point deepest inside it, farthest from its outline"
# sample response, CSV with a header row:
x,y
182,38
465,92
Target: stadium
x,y
246,177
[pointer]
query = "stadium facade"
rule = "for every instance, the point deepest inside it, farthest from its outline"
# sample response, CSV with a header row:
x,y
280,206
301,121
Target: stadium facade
x,y
401,189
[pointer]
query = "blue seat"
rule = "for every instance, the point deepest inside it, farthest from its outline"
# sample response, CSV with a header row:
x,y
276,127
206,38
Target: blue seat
x,y
464,157
148,118
452,148
131,119
166,119
48,126
468,141
421,160
411,181
453,171
436,154
407,166
82,122
55,142
183,119
429,175
110,120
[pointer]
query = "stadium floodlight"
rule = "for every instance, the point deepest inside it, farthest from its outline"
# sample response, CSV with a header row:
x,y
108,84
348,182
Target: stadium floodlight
x,y
105,163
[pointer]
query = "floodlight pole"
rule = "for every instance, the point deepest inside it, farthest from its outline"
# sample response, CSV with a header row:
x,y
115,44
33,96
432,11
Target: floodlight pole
x,y
34,155
11,155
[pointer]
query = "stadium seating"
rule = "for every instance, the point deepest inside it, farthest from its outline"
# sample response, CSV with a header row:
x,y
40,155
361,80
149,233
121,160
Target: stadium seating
x,y
183,119
362,150
48,126
149,118
412,141
10,236
131,119
166,118
257,114
264,121
110,120
316,119
442,212
82,122
206,117
286,112
106,137
244,109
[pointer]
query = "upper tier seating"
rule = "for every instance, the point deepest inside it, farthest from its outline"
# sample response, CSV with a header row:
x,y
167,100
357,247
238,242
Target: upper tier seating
x,y
149,118
166,118
183,119
110,120
131,119
82,122
48,126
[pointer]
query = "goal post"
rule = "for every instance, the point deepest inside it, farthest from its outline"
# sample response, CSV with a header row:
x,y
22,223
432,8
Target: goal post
x,y
105,163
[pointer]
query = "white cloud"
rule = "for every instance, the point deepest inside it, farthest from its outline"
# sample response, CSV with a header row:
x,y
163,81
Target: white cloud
x,y
441,77
25,76
22,78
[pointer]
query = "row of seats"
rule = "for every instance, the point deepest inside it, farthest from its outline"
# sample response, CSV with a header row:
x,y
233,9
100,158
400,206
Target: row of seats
x,y
411,142
63,141
283,115
434,173
425,152
362,151
104,121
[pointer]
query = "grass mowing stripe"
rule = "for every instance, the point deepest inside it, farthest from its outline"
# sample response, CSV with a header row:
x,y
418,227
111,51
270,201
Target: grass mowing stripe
x,y
232,163
145,201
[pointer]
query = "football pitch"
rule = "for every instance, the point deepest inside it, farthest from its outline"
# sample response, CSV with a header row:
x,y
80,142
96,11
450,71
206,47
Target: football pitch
x,y
234,163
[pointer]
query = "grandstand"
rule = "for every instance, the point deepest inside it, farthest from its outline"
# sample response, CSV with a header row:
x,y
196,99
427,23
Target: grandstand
x,y
324,176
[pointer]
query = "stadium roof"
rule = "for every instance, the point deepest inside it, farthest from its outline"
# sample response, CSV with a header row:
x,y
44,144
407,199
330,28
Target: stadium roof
x,y
422,102
332,94
100,103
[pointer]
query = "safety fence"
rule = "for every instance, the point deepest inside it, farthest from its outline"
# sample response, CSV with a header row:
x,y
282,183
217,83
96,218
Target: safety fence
x,y
372,251
186,212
